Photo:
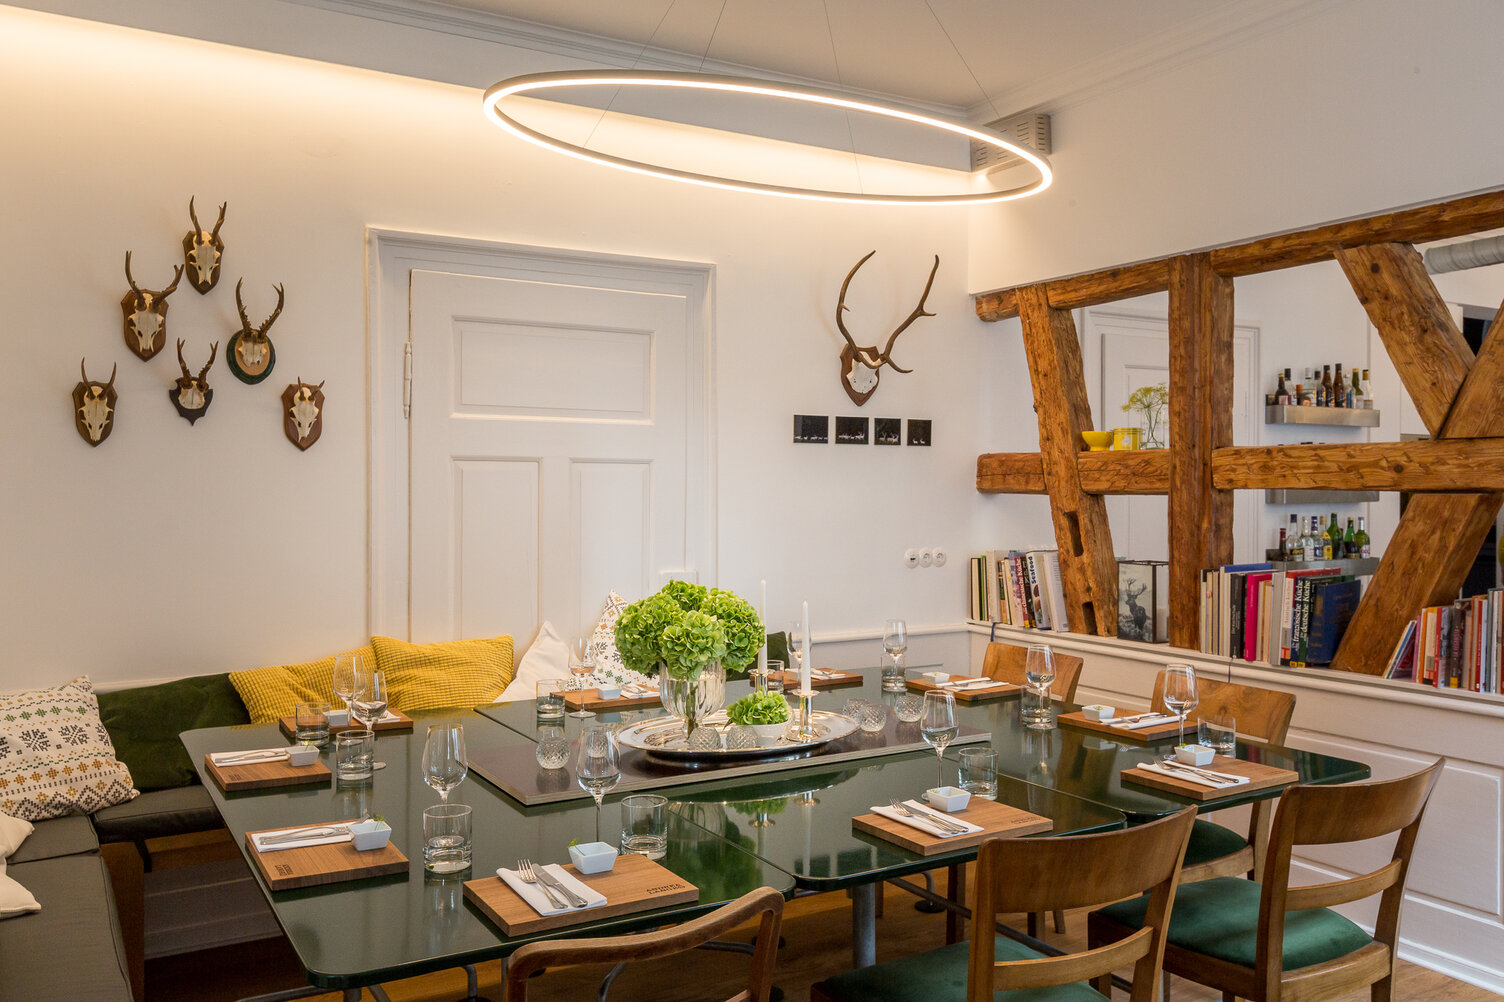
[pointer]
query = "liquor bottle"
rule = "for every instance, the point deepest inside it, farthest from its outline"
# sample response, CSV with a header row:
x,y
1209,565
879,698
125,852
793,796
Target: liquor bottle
x,y
1349,540
1339,388
1312,542
1355,393
1360,538
1367,392
1283,542
1324,392
1282,391
1302,398
1292,540
1334,539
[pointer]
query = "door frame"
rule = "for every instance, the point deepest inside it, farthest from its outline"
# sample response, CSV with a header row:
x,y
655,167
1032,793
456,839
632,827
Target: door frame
x,y
391,257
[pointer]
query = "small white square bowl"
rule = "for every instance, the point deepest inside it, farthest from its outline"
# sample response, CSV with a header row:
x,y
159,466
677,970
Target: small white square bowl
x,y
937,676
369,835
1195,754
948,798
1099,712
338,718
592,857
301,755
609,691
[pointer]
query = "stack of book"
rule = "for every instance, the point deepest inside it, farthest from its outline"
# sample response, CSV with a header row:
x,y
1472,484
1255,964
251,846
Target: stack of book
x,y
1455,646
1277,614
1019,588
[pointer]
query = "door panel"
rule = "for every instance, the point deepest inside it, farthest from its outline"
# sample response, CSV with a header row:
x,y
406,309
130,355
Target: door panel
x,y
482,489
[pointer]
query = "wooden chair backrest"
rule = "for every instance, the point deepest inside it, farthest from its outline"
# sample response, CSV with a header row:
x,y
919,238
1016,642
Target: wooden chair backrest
x,y
1036,875
1261,713
1326,815
1006,662
764,902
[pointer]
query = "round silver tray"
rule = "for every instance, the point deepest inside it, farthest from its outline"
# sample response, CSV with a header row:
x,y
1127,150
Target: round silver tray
x,y
664,737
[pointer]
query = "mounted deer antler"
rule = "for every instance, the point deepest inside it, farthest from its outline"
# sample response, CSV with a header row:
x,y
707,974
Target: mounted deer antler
x,y
94,406
203,251
191,395
145,314
250,354
860,380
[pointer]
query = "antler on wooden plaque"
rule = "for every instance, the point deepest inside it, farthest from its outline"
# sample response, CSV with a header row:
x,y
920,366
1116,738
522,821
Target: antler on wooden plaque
x,y
860,366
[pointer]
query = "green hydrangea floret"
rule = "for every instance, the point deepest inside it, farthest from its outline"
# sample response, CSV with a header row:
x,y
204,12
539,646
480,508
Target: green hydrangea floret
x,y
745,634
759,708
688,596
692,643
640,629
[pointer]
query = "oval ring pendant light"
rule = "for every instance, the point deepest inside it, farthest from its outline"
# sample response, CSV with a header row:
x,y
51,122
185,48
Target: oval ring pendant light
x,y
534,83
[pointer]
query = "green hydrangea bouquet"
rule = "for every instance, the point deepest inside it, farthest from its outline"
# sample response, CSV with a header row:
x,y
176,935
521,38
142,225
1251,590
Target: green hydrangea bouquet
x,y
686,627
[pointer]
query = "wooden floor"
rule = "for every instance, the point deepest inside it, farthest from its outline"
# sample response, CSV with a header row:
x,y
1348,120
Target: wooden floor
x,y
817,944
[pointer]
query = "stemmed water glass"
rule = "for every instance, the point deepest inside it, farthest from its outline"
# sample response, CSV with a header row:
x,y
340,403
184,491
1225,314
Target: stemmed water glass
x,y
368,705
937,724
444,763
582,666
896,639
1180,694
598,767
1039,673
346,669
795,636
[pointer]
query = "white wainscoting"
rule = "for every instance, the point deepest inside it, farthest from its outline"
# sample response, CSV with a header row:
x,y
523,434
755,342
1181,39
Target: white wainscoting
x,y
1453,919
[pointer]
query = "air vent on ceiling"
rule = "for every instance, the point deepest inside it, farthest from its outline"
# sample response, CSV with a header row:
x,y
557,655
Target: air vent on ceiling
x,y
1031,130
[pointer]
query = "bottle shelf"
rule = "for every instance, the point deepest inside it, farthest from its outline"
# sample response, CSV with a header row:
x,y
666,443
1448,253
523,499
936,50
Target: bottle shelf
x,y
1347,565
1344,417
1291,495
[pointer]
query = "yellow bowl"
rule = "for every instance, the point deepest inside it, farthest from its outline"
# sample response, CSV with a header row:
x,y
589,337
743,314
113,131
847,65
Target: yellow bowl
x,y
1097,441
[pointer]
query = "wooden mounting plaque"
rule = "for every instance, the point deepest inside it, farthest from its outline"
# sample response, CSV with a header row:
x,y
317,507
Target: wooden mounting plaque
x,y
1144,735
265,775
402,723
791,680
1260,777
312,865
634,884
966,695
590,699
997,821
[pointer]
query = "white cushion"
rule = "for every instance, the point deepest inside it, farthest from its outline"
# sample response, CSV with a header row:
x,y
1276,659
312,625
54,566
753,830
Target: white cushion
x,y
14,899
546,657
13,832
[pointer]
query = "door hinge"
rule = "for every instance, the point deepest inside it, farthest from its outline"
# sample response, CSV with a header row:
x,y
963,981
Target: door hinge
x,y
407,380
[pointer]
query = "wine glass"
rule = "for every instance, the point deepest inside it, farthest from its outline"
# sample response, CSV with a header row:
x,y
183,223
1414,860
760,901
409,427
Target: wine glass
x,y
1039,672
368,705
347,668
937,724
444,762
1180,694
896,639
795,634
598,767
582,666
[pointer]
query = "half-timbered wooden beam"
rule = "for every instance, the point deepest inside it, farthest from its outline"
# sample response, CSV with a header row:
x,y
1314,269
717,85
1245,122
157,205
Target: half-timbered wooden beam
x,y
1201,365
1087,564
1444,466
1083,290
1138,471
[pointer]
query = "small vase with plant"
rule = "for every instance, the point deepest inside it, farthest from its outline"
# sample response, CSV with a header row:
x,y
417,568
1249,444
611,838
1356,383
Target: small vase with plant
x,y
1150,403
767,713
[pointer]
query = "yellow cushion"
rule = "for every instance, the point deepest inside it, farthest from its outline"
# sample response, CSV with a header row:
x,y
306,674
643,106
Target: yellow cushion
x,y
273,692
438,676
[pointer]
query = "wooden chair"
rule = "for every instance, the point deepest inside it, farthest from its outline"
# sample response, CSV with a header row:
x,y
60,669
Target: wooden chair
x,y
1032,875
1006,662
764,902
1269,941
1264,714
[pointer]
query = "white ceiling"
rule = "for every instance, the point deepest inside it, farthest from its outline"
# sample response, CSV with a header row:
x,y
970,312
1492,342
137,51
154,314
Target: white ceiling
x,y
1024,53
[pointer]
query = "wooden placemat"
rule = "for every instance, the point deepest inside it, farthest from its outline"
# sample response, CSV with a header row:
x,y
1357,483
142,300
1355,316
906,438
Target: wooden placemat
x,y
402,723
591,699
791,680
997,820
1144,735
309,866
264,775
634,884
1260,777
965,696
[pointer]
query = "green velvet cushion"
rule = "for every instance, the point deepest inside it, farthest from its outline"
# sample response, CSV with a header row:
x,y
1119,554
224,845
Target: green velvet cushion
x,y
144,725
1220,918
1212,841
940,976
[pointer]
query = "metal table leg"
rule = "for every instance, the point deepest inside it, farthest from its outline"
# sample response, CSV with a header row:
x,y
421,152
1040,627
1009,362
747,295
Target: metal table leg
x,y
864,925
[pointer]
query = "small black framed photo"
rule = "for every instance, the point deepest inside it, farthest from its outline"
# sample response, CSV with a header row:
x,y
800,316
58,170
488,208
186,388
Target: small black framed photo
x,y
851,431
887,431
811,429
919,431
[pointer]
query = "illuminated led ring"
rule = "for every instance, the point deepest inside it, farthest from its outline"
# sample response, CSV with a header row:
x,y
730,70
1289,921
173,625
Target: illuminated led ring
x,y
696,81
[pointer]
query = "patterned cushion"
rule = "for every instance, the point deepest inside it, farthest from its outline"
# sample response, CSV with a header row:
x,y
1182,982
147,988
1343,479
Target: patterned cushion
x,y
443,675
55,755
608,666
272,692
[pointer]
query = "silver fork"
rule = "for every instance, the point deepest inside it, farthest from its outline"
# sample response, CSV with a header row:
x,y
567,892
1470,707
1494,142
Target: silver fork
x,y
945,823
1211,777
525,871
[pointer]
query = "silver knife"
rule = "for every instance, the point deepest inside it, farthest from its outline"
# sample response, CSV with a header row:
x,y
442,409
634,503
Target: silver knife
x,y
267,755
939,819
1224,778
549,880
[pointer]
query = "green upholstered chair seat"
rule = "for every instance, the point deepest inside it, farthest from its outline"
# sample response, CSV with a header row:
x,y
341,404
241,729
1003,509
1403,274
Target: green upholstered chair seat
x,y
1211,841
940,976
1220,918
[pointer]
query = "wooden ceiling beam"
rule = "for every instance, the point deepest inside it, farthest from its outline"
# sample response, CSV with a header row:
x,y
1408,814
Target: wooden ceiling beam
x,y
1444,466
1137,471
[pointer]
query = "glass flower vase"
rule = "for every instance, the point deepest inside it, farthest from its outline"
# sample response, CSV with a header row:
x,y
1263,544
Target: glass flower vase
x,y
692,699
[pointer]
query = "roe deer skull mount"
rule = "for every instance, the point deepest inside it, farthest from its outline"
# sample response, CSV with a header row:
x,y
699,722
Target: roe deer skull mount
x,y
94,406
250,354
203,251
191,394
860,367
303,413
145,314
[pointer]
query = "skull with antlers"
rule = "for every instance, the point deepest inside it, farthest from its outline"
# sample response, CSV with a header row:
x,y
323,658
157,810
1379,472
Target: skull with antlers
x,y
146,315
860,366
191,394
203,251
94,406
303,413
250,354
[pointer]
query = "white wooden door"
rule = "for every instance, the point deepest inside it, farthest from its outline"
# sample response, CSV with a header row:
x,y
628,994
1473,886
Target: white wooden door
x,y
548,442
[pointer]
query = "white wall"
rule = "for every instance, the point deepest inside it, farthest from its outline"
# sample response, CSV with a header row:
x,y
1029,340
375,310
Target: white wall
x,y
173,549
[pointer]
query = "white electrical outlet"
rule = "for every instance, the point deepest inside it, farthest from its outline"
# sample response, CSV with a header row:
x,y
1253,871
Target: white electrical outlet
x,y
926,557
911,557
940,557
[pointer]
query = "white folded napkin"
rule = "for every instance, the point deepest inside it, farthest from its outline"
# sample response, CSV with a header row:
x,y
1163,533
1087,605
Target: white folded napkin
x,y
1137,725
1190,777
537,898
973,683
343,836
921,823
247,756
823,673
638,691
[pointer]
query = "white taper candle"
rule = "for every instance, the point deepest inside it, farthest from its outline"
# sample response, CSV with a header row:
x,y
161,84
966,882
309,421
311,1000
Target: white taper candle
x,y
808,653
